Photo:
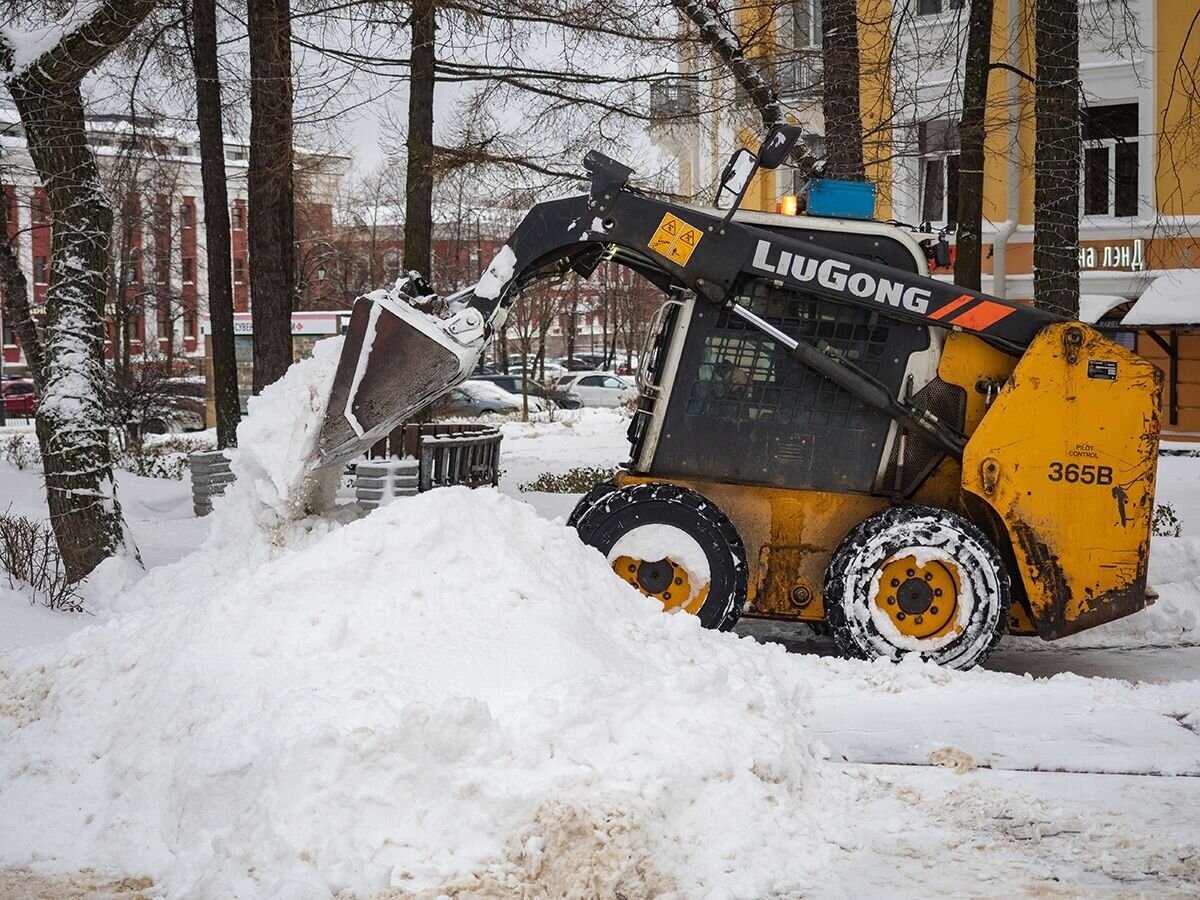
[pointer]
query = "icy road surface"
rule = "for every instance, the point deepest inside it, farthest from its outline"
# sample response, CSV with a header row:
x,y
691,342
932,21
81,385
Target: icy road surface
x,y
1060,770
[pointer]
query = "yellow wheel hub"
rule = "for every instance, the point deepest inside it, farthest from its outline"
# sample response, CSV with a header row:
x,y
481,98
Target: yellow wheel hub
x,y
921,600
664,580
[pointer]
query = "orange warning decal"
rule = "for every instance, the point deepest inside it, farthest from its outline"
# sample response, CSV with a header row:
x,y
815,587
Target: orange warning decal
x,y
956,303
980,317
675,239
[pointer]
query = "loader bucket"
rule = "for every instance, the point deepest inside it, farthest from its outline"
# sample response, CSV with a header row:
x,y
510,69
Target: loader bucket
x,y
395,360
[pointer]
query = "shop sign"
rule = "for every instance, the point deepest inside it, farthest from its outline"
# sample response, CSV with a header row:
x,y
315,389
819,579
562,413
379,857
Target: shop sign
x,y
244,325
1114,256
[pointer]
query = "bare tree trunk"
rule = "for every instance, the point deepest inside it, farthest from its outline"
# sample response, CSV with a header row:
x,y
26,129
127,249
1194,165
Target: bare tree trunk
x,y
216,221
572,320
418,206
1057,157
843,115
271,195
968,252
16,303
71,415
172,318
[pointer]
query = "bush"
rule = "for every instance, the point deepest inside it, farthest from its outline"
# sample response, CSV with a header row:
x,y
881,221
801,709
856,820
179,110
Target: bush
x,y
29,555
21,451
578,480
166,458
1164,522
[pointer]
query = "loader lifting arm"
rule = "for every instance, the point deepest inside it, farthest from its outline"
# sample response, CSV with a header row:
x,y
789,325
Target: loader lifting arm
x,y
401,353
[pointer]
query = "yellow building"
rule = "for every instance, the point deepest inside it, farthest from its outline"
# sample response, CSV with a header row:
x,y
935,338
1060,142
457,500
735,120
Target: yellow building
x,y
1140,179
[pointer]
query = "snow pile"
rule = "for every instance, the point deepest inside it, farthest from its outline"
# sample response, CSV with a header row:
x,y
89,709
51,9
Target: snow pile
x,y
277,442
448,695
263,513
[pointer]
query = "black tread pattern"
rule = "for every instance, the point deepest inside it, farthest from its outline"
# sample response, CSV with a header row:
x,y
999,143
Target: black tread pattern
x,y
616,512
891,518
590,499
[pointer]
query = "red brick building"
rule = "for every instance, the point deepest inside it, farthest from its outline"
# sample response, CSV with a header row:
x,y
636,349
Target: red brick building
x,y
158,279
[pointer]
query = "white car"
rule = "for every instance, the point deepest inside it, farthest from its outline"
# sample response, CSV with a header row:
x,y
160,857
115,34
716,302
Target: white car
x,y
598,388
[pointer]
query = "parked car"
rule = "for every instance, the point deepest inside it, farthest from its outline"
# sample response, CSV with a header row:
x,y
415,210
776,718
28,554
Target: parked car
x,y
595,360
19,399
598,388
486,369
580,365
514,383
547,368
476,398
176,415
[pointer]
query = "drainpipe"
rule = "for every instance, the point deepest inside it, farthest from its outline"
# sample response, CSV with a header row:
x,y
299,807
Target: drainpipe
x,y
1013,209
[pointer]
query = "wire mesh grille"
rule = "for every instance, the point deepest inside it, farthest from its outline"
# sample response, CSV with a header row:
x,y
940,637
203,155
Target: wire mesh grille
x,y
949,403
746,376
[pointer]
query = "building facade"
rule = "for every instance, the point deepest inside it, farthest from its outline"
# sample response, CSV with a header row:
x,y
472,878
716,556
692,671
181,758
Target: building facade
x,y
159,276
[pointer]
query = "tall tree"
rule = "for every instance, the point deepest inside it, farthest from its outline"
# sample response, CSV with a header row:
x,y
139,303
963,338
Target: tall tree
x,y
270,190
971,132
45,76
418,205
839,98
1056,156
216,220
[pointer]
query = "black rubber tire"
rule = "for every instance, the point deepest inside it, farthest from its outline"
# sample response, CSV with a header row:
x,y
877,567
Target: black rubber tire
x,y
849,578
590,499
617,512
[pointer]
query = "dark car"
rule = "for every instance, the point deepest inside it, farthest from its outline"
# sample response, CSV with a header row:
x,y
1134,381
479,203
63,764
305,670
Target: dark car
x,y
18,398
580,365
514,384
477,398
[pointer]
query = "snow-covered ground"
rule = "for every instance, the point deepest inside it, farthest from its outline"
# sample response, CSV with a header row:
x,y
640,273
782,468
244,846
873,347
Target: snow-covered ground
x,y
452,696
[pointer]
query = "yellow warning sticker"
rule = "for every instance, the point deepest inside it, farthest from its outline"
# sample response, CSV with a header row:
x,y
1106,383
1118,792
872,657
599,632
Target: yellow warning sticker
x,y
675,239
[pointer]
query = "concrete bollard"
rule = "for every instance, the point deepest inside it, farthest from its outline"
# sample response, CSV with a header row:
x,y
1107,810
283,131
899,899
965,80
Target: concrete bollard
x,y
378,481
210,477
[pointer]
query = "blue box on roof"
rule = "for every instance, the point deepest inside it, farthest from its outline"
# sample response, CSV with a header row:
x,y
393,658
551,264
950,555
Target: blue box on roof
x,y
840,199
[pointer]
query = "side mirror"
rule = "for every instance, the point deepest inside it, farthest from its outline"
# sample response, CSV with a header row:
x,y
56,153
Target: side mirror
x,y
742,165
778,145
735,178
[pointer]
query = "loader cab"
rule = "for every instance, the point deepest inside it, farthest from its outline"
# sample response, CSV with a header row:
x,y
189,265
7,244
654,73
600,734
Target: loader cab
x,y
727,403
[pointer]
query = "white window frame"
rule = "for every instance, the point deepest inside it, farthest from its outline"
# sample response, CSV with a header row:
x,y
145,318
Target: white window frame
x,y
944,141
814,14
1109,144
942,157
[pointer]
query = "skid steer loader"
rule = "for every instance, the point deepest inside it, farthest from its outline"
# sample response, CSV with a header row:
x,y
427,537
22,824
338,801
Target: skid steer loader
x,y
824,433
